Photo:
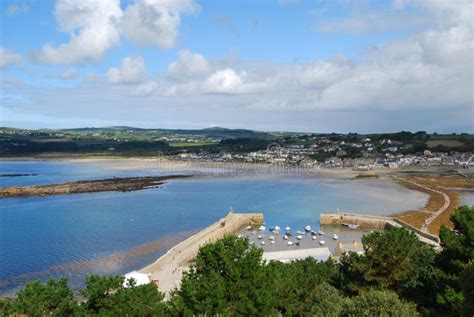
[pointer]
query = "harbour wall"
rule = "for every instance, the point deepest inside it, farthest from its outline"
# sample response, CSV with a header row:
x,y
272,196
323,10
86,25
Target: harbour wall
x,y
187,250
364,221
378,223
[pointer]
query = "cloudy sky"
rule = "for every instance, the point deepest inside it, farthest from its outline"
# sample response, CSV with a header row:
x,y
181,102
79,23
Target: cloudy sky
x,y
307,65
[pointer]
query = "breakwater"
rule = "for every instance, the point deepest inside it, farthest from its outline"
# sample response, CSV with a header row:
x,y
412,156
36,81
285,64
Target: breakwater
x,y
169,267
377,223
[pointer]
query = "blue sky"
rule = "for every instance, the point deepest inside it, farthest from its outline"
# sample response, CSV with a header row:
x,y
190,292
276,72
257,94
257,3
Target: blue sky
x,y
316,65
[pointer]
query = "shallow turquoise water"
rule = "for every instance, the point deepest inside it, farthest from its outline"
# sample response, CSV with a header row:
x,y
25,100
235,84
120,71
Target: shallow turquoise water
x,y
73,235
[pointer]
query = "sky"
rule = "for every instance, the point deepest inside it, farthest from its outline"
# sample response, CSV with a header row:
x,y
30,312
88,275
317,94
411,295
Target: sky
x,y
274,65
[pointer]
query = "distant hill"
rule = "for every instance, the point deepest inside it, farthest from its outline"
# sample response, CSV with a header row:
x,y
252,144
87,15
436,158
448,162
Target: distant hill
x,y
213,132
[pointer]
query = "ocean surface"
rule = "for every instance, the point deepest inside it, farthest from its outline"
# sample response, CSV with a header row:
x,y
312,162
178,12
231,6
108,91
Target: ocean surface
x,y
114,232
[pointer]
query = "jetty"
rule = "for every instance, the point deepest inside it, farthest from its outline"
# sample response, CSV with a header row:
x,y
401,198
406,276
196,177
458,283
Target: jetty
x,y
378,223
168,269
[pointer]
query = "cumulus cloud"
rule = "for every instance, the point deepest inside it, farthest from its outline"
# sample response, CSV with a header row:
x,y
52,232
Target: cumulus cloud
x,y
145,89
95,26
155,22
223,81
92,28
131,70
189,64
8,58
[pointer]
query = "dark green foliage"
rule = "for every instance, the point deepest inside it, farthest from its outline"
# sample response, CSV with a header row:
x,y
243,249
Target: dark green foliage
x,y
227,278
103,296
378,303
244,144
37,299
466,281
453,263
394,260
108,296
302,287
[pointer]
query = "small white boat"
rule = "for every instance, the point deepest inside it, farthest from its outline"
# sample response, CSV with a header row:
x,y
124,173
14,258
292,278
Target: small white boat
x,y
271,238
307,228
272,242
262,242
261,228
287,229
321,233
249,228
251,243
259,236
285,237
351,226
300,232
314,237
322,242
289,243
335,237
299,237
277,228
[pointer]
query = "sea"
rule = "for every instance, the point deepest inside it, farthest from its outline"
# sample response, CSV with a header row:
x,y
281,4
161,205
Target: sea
x,y
76,235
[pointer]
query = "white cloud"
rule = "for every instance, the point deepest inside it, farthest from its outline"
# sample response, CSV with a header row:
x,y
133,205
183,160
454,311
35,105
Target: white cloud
x,y
8,58
95,26
69,74
155,22
189,64
322,74
131,70
145,89
223,81
92,28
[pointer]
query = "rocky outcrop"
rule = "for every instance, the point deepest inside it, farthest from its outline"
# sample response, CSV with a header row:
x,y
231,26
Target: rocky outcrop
x,y
122,184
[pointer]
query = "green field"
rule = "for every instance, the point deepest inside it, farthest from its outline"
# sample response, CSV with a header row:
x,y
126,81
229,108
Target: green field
x,y
186,144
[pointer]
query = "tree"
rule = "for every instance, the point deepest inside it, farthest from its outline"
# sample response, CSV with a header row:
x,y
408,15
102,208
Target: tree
x,y
378,303
108,296
302,288
53,298
394,259
456,257
227,278
466,282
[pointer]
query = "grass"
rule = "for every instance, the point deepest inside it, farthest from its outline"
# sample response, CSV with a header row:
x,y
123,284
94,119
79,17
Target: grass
x,y
186,144
414,217
436,201
448,143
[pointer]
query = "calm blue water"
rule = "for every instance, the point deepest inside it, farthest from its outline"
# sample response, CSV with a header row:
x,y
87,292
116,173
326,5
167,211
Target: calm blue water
x,y
73,235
